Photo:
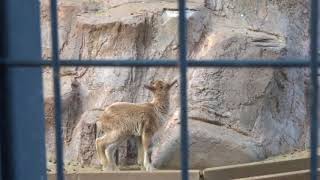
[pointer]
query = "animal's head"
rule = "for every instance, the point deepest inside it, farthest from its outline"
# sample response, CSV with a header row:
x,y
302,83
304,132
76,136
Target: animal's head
x,y
75,84
159,87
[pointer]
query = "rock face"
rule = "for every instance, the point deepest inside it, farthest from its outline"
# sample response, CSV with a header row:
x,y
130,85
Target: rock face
x,y
209,146
236,114
71,111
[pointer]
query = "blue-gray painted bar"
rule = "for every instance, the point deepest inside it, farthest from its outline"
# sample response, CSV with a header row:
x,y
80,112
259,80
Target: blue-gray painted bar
x,y
22,129
184,145
245,63
3,113
3,54
56,88
314,81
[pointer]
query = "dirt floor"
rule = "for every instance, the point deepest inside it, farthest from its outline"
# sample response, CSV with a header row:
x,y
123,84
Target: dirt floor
x,y
74,167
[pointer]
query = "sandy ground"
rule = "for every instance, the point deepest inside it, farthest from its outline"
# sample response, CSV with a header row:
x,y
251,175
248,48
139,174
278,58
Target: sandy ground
x,y
74,167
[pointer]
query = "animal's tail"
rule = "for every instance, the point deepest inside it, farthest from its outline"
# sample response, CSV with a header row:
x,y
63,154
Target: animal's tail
x,y
97,129
97,126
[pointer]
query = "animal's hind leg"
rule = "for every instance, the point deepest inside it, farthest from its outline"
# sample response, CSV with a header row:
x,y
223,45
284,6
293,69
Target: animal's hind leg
x,y
101,143
100,147
140,150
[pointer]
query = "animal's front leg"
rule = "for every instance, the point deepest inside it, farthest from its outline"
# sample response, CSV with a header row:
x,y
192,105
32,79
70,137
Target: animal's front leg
x,y
147,164
146,141
109,141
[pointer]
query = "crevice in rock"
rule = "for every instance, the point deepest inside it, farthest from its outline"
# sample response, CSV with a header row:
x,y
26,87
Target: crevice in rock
x,y
218,123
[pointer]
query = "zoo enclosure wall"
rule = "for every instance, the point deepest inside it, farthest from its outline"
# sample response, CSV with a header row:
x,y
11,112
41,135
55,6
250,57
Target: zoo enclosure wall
x,y
22,121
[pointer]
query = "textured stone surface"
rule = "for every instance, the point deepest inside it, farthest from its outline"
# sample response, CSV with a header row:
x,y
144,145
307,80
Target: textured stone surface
x,y
209,146
236,115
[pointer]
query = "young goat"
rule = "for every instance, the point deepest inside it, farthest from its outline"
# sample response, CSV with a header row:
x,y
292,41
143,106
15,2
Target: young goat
x,y
122,120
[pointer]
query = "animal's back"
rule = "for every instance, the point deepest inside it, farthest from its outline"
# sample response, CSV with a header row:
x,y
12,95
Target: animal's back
x,y
128,109
124,116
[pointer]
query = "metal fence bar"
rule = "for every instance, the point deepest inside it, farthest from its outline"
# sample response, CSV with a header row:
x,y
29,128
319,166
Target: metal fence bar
x,y
22,129
314,81
3,69
184,145
244,63
56,86
3,112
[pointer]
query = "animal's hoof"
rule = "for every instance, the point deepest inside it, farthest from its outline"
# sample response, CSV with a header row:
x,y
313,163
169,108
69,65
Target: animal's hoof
x,y
150,168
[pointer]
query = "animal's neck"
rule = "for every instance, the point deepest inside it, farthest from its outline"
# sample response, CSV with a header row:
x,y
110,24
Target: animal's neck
x,y
161,104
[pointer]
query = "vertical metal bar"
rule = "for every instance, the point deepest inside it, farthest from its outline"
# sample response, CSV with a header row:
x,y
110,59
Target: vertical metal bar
x,y
2,111
57,93
22,132
3,73
314,81
183,90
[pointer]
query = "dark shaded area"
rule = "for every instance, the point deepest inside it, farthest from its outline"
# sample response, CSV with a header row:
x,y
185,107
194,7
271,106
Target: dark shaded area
x,y
3,39
3,54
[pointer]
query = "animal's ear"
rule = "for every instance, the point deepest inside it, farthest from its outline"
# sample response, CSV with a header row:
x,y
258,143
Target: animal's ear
x,y
151,88
174,82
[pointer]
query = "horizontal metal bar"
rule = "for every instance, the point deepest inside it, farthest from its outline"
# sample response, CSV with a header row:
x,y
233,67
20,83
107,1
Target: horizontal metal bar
x,y
123,63
261,63
250,63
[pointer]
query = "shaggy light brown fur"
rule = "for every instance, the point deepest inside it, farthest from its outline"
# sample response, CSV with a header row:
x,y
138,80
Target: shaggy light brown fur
x,y
122,120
